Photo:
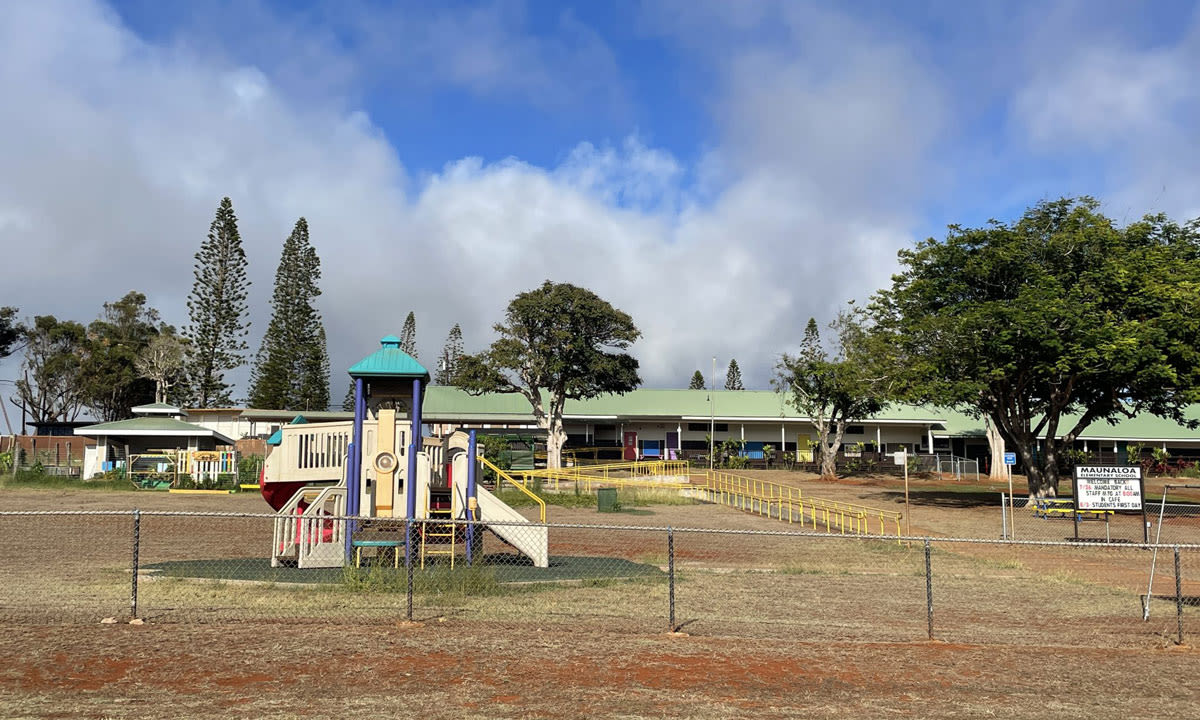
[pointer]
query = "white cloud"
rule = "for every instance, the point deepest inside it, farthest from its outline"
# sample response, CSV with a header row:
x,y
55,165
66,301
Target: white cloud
x,y
122,150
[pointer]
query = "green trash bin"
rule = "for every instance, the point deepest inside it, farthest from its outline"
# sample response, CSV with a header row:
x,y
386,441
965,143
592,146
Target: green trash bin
x,y
606,499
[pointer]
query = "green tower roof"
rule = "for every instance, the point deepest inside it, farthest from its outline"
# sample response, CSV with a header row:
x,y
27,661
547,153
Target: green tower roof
x,y
389,361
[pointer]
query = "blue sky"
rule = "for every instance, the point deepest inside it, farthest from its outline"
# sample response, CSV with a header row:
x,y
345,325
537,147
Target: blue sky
x,y
721,170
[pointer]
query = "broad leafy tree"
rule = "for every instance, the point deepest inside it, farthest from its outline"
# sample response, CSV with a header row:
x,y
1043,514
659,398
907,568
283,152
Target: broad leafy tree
x,y
452,352
558,342
832,390
49,387
408,335
697,381
109,379
216,333
161,362
1049,324
733,376
10,331
291,369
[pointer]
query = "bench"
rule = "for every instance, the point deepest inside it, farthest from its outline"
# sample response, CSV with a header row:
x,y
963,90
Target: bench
x,y
1052,507
358,545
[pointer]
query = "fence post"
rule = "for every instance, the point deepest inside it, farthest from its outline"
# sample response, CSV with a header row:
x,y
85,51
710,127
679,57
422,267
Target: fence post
x,y
1003,517
928,589
137,541
1178,598
671,578
408,538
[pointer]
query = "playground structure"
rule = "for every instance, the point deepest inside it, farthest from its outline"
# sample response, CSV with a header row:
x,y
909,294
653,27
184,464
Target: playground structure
x,y
345,489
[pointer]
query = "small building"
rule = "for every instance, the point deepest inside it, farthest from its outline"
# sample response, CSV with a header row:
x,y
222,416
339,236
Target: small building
x,y
157,433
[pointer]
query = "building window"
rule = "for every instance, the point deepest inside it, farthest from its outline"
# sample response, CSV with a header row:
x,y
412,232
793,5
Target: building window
x,y
704,427
855,430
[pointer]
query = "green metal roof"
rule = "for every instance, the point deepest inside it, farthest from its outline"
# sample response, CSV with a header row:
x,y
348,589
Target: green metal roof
x,y
389,361
289,415
450,404
166,426
277,436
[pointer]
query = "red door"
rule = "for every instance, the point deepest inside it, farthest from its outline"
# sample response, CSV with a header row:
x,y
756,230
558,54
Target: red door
x,y
631,452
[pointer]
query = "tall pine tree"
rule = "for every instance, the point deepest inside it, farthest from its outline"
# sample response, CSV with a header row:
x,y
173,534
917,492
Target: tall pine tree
x,y
452,351
291,370
216,333
408,335
733,376
697,381
348,401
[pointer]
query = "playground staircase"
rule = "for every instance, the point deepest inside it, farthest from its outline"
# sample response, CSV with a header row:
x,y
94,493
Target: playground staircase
x,y
439,538
307,534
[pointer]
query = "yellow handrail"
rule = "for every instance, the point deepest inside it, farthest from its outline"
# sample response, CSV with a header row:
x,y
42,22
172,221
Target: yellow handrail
x,y
754,495
501,474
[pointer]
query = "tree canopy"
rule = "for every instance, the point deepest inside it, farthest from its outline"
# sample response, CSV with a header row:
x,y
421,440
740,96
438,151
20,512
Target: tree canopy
x,y
217,328
733,376
1057,314
110,382
10,331
697,381
49,387
291,369
832,390
408,335
557,342
452,352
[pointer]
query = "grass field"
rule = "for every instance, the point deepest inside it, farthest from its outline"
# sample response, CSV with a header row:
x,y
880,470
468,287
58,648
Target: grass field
x,y
777,626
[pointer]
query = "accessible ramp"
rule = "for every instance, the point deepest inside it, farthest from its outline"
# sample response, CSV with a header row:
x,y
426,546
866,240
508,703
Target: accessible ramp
x,y
532,541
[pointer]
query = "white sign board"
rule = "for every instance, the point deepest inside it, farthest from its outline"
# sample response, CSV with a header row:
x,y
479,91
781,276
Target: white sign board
x,y
900,458
1108,488
1010,458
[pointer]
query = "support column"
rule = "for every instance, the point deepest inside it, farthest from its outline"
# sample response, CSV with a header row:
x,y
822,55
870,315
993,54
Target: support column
x,y
354,459
472,503
410,485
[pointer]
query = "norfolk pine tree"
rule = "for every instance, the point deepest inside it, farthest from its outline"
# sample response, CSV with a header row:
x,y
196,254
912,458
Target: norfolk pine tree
x,y
408,335
697,381
452,352
291,370
733,377
217,312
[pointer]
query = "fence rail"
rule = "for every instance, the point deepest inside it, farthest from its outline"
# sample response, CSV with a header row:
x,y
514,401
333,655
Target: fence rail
x,y
180,567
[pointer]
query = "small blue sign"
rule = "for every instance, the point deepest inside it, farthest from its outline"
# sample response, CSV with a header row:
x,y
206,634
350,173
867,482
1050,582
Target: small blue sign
x,y
1010,458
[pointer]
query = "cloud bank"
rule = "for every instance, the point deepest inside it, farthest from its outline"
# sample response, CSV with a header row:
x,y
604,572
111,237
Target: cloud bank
x,y
828,136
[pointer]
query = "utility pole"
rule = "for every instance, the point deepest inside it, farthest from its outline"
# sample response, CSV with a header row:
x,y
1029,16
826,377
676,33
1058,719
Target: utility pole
x,y
712,423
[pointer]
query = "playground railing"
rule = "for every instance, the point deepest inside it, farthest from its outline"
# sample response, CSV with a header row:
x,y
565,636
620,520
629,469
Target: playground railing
x,y
314,452
504,476
787,503
610,472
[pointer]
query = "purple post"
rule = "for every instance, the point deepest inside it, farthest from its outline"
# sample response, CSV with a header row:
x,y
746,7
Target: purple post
x,y
414,446
470,496
354,452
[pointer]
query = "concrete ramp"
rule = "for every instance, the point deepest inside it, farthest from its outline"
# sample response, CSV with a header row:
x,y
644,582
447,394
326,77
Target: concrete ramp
x,y
530,540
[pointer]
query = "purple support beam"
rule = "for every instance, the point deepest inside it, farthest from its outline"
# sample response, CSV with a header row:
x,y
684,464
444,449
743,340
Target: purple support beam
x,y
354,459
410,484
471,469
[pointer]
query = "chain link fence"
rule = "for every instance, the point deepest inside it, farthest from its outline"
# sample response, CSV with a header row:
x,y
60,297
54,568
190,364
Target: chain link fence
x,y
1023,518
85,567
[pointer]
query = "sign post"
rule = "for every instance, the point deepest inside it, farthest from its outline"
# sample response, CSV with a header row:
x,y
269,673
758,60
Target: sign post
x,y
1117,487
901,458
1010,459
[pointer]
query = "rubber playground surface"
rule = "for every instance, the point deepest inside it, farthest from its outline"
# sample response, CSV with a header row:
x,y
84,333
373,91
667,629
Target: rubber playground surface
x,y
814,642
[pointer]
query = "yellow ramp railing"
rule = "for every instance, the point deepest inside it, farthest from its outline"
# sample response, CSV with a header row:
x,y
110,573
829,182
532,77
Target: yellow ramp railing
x,y
787,503
502,475
609,473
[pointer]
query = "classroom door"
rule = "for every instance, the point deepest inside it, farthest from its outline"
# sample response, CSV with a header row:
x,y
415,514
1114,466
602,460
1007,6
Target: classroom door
x,y
672,452
631,450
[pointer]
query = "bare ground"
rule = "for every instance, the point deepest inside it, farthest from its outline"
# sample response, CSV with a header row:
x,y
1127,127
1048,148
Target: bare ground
x,y
778,628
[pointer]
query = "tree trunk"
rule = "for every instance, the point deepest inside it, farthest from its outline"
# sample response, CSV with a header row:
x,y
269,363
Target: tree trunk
x,y
556,437
998,472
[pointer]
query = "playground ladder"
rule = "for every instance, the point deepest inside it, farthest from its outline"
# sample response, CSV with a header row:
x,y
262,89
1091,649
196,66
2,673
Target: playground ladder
x,y
442,535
